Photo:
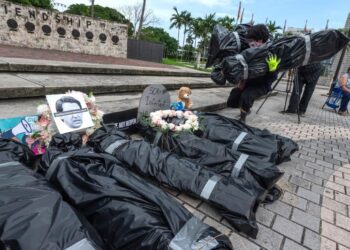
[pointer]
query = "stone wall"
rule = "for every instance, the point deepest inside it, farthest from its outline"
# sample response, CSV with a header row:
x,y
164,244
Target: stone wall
x,y
38,28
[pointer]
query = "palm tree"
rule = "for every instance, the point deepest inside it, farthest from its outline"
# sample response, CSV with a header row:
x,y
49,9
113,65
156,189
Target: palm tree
x,y
186,21
195,29
272,27
176,21
141,19
92,8
227,22
207,24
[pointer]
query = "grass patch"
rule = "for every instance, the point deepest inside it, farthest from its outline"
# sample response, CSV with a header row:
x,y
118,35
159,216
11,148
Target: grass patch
x,y
174,62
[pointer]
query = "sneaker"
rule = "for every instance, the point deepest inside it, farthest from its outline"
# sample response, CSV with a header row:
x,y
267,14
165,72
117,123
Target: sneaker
x,y
342,113
302,114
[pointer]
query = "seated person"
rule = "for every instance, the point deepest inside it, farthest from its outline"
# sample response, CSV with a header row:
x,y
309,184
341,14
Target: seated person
x,y
345,86
248,91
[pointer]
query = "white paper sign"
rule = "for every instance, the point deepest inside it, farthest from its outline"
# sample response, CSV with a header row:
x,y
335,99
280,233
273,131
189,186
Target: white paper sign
x,y
69,112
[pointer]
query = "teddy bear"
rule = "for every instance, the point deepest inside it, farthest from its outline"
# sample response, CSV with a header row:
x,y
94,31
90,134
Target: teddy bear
x,y
184,96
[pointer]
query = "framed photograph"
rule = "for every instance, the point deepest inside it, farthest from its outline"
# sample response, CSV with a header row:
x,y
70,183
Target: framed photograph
x,y
69,112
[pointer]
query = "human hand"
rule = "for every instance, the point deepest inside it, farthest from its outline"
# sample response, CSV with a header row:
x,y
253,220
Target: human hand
x,y
273,63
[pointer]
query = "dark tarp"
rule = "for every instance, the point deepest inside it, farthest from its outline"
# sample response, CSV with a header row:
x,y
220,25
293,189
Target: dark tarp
x,y
286,146
33,216
256,142
11,150
324,45
217,75
235,198
291,50
226,43
253,60
127,211
215,156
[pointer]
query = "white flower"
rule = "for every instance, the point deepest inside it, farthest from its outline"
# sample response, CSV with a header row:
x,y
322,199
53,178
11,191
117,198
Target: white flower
x,y
178,128
162,122
43,108
155,120
193,118
179,114
187,113
100,114
187,126
165,126
91,99
167,113
172,126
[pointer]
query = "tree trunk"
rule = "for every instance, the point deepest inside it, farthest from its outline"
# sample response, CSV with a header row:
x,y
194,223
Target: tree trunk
x,y
183,44
92,8
178,37
141,20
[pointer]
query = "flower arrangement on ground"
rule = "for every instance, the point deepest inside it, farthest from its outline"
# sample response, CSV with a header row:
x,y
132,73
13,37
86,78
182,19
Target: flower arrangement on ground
x,y
46,126
164,121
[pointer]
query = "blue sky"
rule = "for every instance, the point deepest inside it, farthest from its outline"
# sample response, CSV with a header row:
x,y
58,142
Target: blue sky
x,y
296,12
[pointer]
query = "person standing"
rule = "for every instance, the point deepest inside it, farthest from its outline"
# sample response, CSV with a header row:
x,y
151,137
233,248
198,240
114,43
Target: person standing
x,y
345,86
308,76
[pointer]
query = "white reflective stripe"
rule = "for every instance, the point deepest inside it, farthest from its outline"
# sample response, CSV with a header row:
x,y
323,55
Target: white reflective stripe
x,y
308,49
238,41
9,164
188,237
241,59
84,244
239,164
209,186
238,141
115,145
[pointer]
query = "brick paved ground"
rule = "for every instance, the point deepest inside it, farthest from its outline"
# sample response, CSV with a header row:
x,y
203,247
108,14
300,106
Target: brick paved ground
x,y
55,55
313,212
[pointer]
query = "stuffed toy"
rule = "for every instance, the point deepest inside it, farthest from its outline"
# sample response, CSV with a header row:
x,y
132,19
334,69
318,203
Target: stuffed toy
x,y
184,96
178,106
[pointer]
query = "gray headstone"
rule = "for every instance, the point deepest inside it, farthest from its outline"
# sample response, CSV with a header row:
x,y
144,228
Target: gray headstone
x,y
154,97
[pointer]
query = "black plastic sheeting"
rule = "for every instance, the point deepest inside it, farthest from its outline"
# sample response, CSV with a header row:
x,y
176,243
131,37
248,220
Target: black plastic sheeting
x,y
127,211
324,45
215,156
286,146
11,150
259,143
226,43
33,216
291,50
234,198
232,68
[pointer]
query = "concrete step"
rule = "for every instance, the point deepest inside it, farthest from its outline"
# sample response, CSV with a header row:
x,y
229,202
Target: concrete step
x,y
19,85
208,99
23,65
